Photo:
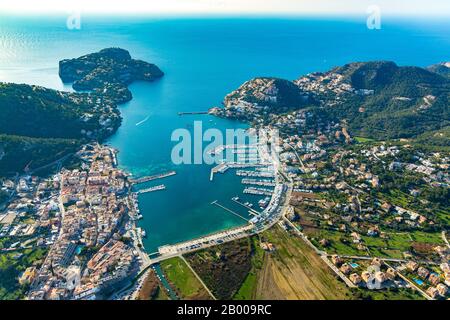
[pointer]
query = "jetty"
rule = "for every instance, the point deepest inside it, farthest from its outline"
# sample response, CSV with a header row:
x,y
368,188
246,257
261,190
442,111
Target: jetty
x,y
151,178
192,113
152,189
229,210
250,210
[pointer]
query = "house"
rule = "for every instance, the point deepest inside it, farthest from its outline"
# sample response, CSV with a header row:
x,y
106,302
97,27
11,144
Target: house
x,y
445,267
433,292
443,289
336,260
412,266
345,268
423,272
28,276
390,274
355,278
434,279
377,262
380,277
366,276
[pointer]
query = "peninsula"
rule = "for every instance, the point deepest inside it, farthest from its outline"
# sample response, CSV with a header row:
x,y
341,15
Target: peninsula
x,y
107,72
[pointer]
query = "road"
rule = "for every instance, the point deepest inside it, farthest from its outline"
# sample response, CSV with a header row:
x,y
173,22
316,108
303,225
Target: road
x,y
444,237
198,277
412,284
323,255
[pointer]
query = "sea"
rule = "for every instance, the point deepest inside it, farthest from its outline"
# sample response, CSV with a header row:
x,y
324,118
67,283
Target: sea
x,y
203,59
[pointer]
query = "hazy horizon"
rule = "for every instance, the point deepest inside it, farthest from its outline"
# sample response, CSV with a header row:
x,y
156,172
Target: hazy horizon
x,y
407,8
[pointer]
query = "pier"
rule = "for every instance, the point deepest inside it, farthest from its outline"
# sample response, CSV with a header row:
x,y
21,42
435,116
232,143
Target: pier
x,y
251,210
152,189
229,210
192,113
258,182
236,165
258,191
151,178
261,174
219,168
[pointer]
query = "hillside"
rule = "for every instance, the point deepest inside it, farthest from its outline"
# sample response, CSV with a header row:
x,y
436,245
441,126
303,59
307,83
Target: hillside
x,y
376,99
38,125
392,101
441,68
44,113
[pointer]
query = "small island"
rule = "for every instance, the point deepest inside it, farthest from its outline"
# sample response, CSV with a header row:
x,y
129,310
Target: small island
x,y
107,72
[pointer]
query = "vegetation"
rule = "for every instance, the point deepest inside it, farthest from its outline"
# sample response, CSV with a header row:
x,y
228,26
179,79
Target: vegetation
x,y
109,72
39,126
295,271
24,152
224,268
387,294
152,289
181,277
12,264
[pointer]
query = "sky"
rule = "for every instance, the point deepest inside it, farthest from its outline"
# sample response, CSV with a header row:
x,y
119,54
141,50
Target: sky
x,y
283,7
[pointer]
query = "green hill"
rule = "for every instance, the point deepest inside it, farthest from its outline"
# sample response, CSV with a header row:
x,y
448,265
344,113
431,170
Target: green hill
x,y
38,125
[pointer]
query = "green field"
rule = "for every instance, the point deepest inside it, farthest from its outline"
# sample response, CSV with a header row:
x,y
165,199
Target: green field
x,y
181,277
248,288
363,140
12,264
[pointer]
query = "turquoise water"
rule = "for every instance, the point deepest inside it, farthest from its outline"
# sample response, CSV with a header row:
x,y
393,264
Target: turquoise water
x,y
203,59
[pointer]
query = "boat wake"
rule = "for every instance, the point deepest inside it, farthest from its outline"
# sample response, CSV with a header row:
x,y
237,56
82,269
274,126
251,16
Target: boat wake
x,y
141,122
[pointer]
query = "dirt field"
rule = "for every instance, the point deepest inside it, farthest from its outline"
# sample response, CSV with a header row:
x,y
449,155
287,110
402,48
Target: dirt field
x,y
294,271
152,289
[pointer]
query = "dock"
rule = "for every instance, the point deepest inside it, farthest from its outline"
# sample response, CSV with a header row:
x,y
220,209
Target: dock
x,y
250,210
259,182
260,174
192,113
219,168
258,191
229,210
153,177
152,189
